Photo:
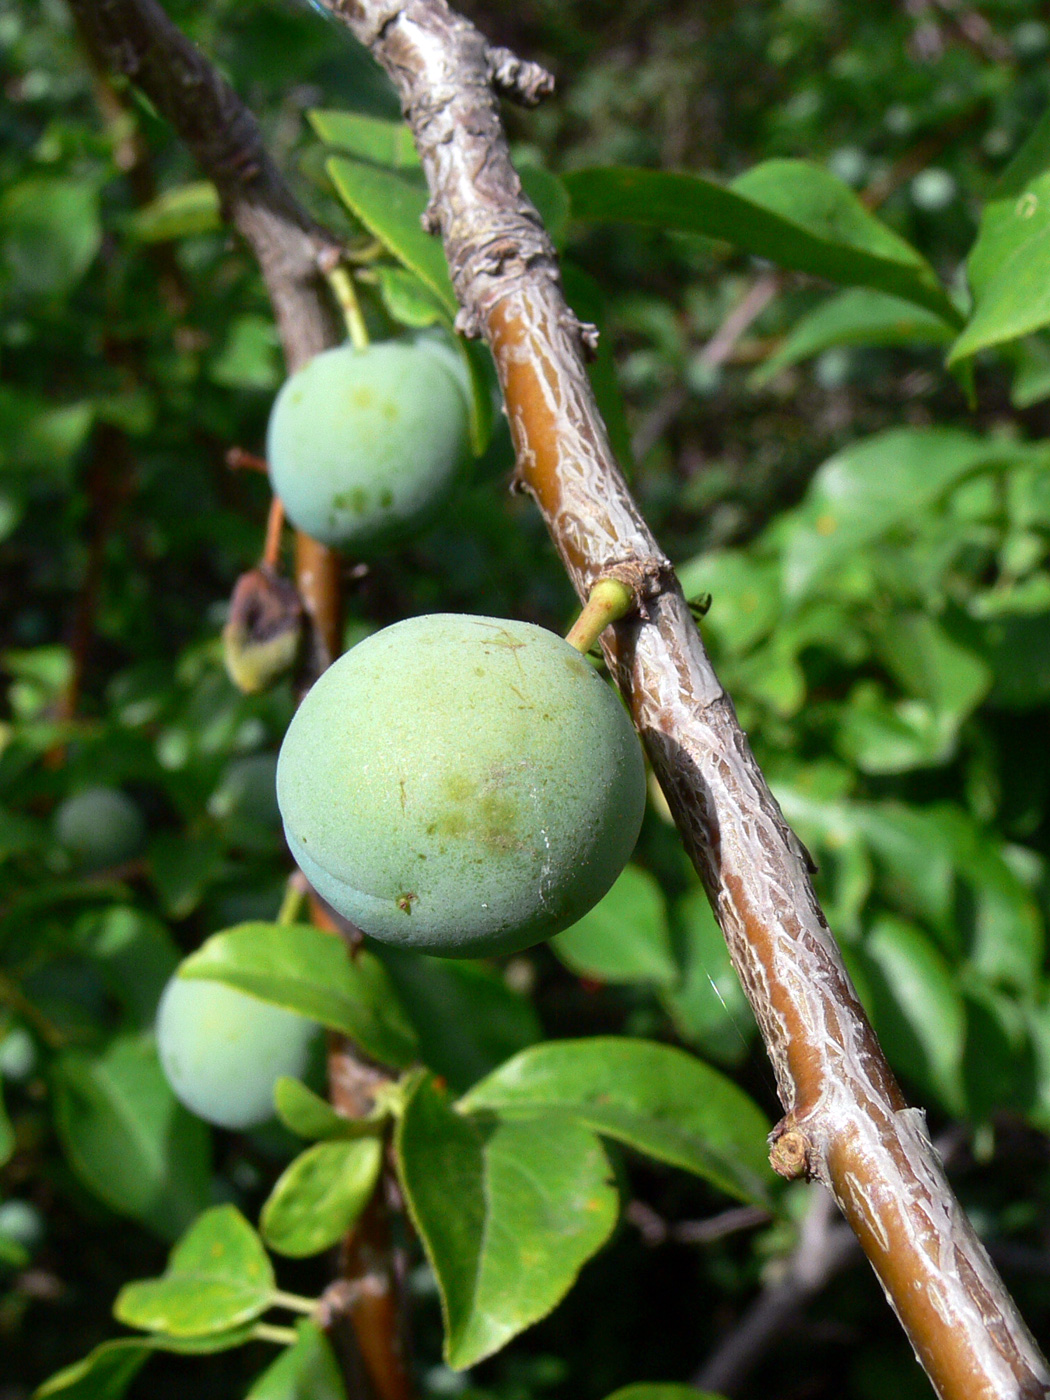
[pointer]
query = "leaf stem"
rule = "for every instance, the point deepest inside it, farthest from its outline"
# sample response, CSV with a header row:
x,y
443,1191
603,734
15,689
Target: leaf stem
x,y
283,1336
342,285
294,1302
292,903
608,601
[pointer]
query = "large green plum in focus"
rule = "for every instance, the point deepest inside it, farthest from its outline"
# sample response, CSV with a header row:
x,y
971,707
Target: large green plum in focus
x,y
222,1051
99,827
461,785
365,446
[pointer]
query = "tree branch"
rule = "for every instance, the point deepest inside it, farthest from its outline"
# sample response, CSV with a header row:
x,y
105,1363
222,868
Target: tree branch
x,y
846,1121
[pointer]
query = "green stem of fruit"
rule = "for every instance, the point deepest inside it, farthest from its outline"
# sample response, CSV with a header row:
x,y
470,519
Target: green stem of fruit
x,y
283,1336
294,1302
608,601
342,285
292,903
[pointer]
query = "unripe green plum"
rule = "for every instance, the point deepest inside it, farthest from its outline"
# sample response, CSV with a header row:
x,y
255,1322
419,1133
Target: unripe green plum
x,y
99,827
461,785
222,1051
364,446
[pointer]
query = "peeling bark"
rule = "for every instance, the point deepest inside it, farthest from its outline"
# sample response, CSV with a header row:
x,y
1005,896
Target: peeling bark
x,y
846,1123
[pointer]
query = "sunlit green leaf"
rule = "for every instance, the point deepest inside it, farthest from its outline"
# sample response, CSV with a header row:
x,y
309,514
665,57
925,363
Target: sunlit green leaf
x,y
320,1195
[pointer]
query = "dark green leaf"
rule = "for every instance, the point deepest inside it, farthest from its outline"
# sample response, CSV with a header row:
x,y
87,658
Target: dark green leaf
x,y
218,1277
178,213
917,1008
320,1196
792,213
309,971
877,484
391,208
707,1002
106,1372
371,138
308,1115
307,1370
135,954
127,1138
654,1390
856,317
624,938
508,1213
408,300
652,1097
467,1018
49,233
1007,270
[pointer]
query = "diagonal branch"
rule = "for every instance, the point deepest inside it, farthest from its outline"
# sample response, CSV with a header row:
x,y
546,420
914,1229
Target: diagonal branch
x,y
846,1120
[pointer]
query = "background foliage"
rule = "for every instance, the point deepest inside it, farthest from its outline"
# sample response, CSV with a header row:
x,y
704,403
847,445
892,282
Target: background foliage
x,y
872,526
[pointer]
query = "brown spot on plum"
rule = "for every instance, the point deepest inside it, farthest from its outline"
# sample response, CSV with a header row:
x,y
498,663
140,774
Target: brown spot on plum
x,y
405,902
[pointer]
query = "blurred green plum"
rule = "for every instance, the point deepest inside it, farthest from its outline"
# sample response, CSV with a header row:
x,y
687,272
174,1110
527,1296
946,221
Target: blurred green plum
x,y
365,446
99,827
461,785
222,1051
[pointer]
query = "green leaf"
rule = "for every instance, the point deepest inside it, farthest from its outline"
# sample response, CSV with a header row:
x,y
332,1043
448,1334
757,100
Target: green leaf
x,y
371,138
309,1116
183,868
106,1372
178,213
550,198
391,208
651,1097
707,1002
508,1213
875,485
916,1006
792,213
39,439
218,1277
307,1370
127,1138
467,1018
931,664
135,954
320,1196
856,317
1000,1062
624,938
50,232
407,299
1008,269
745,595
654,1390
309,971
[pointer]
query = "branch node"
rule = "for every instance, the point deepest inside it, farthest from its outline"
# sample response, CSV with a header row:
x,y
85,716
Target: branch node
x,y
646,578
790,1150
523,82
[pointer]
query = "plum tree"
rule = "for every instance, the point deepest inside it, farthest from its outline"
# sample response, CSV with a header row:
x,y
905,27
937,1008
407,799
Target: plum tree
x,y
99,826
365,445
222,1051
461,785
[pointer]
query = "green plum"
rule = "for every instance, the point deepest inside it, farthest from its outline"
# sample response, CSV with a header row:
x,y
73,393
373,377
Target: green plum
x,y
461,785
99,827
222,1051
365,446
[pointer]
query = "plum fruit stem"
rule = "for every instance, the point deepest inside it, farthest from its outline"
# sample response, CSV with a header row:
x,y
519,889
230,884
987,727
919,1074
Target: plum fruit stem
x,y
342,285
607,602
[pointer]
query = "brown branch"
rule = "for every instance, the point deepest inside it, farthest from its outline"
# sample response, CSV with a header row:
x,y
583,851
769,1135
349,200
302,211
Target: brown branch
x,y
136,38
842,1102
